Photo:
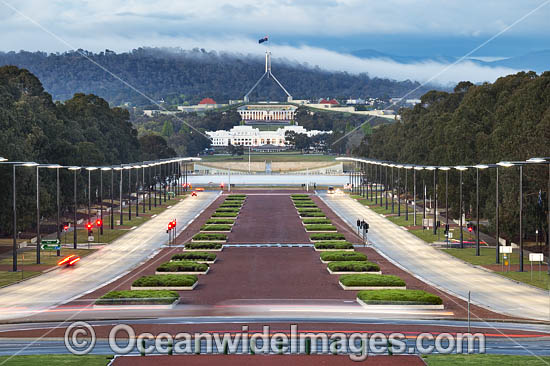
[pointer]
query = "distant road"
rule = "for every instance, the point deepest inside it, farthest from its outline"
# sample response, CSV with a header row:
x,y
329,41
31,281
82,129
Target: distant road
x,y
270,179
61,285
435,267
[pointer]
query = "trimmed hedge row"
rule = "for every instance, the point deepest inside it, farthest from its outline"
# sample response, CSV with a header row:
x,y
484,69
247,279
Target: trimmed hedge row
x,y
228,209
411,297
301,198
220,221
327,236
353,266
315,221
371,280
182,266
300,210
165,281
231,205
210,236
216,228
312,214
333,245
236,196
195,256
203,246
320,227
343,256
306,205
299,195
225,214
138,297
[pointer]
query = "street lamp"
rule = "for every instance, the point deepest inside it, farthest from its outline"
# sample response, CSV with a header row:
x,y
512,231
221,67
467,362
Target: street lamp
x,y
416,168
460,170
90,169
121,169
14,165
446,170
545,160
136,167
74,169
407,168
129,168
478,168
508,164
38,238
105,168
399,167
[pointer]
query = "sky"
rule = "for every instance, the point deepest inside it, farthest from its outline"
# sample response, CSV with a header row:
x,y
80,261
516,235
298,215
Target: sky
x,y
321,33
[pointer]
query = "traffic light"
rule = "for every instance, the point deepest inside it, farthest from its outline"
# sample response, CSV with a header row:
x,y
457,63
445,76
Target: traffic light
x,y
358,223
170,225
89,226
98,223
65,228
470,227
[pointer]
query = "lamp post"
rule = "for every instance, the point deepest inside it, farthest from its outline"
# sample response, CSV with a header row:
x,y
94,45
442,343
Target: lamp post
x,y
75,169
392,190
101,195
478,168
446,170
121,211
38,234
149,182
407,168
386,184
143,186
460,170
136,167
416,168
90,169
545,160
497,214
112,212
129,192
14,202
398,190
434,199
520,164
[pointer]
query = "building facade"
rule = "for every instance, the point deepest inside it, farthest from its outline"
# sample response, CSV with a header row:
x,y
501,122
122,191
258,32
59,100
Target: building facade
x,y
251,136
259,112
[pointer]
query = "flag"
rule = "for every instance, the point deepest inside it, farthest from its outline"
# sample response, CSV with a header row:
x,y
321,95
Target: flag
x,y
540,198
262,40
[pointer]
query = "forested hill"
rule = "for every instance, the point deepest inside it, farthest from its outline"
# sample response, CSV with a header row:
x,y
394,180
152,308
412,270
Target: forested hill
x,y
188,76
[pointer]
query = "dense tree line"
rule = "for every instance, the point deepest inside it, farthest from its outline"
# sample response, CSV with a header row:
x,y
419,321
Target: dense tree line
x,y
508,120
82,131
178,76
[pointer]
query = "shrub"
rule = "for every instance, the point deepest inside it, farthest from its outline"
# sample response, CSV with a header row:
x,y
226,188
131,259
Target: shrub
x,y
412,297
210,236
220,221
320,227
225,214
353,266
305,205
195,256
166,281
236,196
216,228
315,221
299,195
231,205
300,210
228,209
333,245
137,297
203,245
371,280
343,256
312,214
234,200
327,236
182,266
301,199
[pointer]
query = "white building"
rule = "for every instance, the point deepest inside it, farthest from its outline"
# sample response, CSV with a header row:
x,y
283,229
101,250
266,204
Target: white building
x,y
251,136
259,112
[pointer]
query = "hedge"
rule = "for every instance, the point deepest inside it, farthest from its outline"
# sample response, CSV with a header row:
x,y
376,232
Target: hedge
x,y
333,245
236,196
231,205
137,297
225,214
412,297
353,266
327,236
371,280
315,221
216,228
320,227
166,281
203,246
305,205
234,200
210,236
195,256
220,221
300,210
343,256
312,214
182,266
228,209
301,199
299,195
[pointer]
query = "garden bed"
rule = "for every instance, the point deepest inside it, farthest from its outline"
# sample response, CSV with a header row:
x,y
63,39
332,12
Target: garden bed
x,y
199,257
342,256
371,282
163,298
315,221
326,236
304,198
312,214
333,246
225,214
227,209
175,282
301,210
220,222
182,267
326,228
299,195
204,246
353,267
398,299
214,227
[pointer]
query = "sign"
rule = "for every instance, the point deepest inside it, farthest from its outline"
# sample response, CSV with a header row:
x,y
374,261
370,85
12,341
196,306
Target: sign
x,y
50,247
49,241
536,257
450,234
90,238
505,250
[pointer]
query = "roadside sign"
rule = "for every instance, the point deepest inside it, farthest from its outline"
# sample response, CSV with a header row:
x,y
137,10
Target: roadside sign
x,y
536,257
90,238
49,241
450,235
505,249
50,247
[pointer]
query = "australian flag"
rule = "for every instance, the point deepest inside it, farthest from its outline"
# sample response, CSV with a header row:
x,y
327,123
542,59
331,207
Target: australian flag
x,y
262,40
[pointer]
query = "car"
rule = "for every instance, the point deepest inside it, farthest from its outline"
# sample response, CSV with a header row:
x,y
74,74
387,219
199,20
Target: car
x,y
330,190
69,260
194,194
199,189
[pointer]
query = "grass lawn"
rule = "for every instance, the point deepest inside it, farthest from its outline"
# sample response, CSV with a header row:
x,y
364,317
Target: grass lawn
x,y
540,278
275,157
58,360
48,258
485,360
7,278
428,235
487,256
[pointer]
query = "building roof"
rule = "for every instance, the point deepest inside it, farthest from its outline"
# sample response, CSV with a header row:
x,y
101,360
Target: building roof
x,y
207,101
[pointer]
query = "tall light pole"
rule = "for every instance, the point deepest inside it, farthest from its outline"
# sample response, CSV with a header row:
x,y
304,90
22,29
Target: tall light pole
x,y
407,168
398,190
460,170
75,169
434,199
121,211
105,168
545,160
136,167
143,186
90,169
416,168
38,234
478,168
392,187
112,211
446,170
129,192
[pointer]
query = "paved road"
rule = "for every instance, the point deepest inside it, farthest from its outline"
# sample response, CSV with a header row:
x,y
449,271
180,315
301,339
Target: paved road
x,y
435,267
112,261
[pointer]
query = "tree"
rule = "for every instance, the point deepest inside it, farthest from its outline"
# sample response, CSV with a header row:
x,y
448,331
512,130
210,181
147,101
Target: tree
x,y
167,129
